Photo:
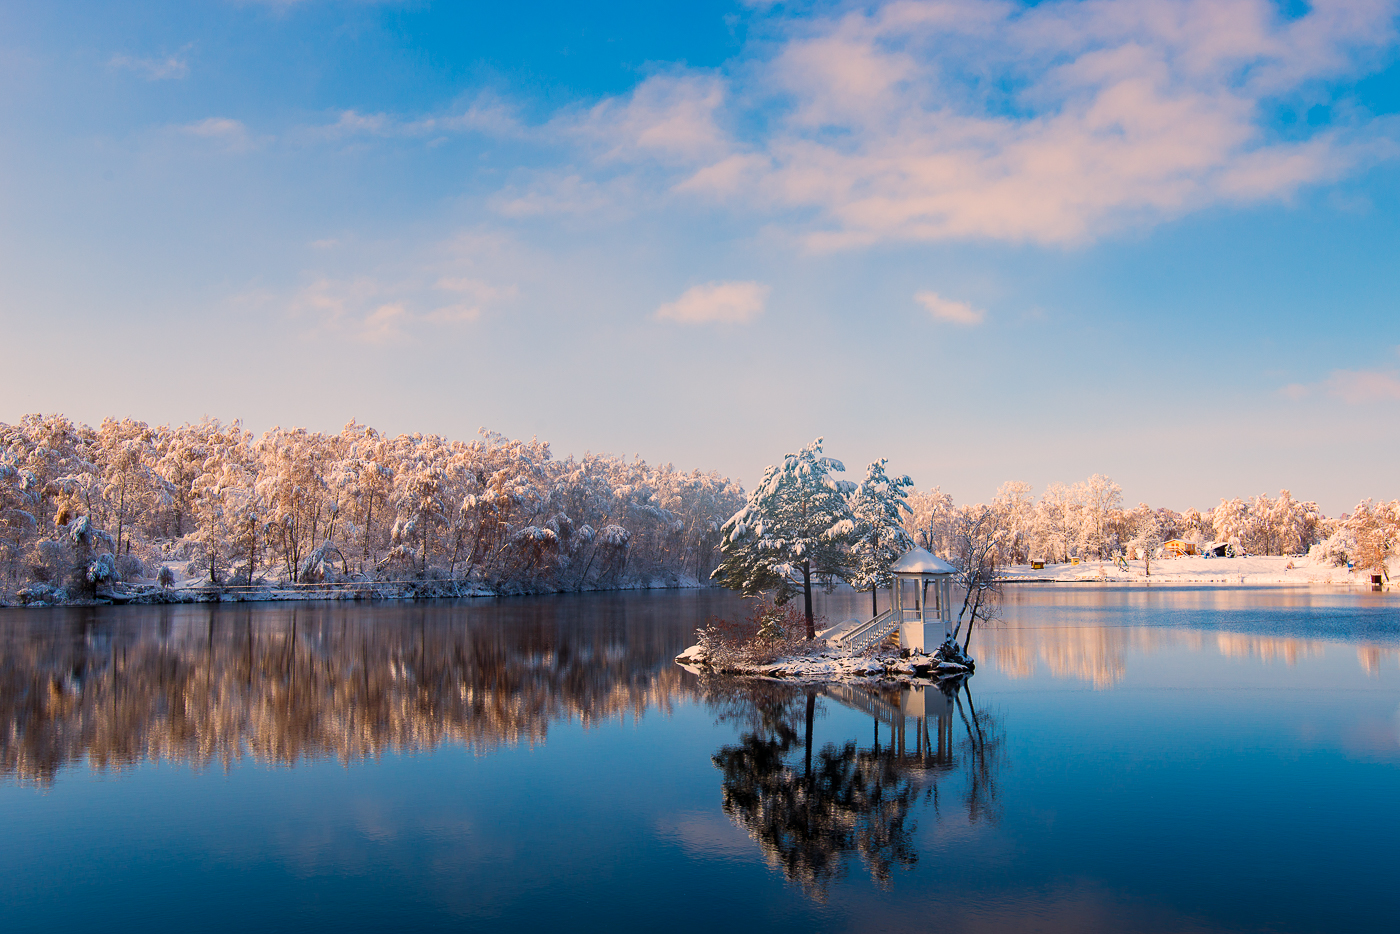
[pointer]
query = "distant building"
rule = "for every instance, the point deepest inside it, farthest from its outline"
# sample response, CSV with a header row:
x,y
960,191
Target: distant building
x,y
1176,547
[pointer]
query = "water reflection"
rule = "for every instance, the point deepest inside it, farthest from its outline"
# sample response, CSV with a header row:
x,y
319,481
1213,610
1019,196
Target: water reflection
x,y
204,685
811,814
1088,634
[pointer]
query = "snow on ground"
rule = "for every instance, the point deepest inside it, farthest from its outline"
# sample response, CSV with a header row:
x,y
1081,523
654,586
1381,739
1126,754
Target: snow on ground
x,y
1195,569
829,663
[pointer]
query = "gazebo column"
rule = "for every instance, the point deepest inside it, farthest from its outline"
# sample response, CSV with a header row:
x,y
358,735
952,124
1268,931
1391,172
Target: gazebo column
x,y
911,631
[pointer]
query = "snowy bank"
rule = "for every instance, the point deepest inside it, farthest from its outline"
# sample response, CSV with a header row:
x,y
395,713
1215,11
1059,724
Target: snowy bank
x,y
1197,570
201,591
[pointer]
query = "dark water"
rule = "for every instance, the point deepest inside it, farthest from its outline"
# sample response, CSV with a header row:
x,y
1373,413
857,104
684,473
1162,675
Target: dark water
x,y
1124,760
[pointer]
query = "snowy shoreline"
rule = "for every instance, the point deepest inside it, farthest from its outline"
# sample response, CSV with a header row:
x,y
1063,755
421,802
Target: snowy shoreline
x,y
1197,571
152,595
1188,571
828,664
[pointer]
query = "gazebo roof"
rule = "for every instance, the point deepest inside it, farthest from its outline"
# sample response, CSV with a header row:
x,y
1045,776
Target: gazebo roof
x,y
919,561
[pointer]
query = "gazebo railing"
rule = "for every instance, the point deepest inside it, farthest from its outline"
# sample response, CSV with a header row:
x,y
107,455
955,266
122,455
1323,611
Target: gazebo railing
x,y
868,634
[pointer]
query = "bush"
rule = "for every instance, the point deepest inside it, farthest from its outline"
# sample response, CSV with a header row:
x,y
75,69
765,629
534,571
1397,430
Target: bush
x,y
770,632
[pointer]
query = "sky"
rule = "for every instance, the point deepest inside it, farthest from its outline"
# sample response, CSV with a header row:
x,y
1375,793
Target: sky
x,y
988,241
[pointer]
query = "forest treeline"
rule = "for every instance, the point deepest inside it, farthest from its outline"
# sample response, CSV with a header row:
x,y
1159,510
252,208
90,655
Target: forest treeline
x,y
81,507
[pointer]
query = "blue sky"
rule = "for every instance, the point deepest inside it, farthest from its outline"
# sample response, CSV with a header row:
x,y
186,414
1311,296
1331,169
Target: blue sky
x,y
988,241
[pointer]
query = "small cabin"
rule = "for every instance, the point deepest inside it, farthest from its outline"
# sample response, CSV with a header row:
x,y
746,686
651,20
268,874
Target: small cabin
x,y
1176,547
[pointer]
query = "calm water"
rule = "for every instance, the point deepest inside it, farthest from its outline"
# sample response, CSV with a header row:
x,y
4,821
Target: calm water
x,y
1124,760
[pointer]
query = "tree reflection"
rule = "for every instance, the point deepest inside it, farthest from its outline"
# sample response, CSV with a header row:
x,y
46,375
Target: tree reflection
x,y
811,815
204,685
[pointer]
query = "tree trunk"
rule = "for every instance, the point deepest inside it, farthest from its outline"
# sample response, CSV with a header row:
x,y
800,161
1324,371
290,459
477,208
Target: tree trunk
x,y
252,549
807,596
874,601
121,516
369,518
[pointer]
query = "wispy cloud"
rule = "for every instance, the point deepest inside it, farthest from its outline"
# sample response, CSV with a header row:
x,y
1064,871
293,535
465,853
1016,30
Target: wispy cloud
x,y
155,69
227,133
405,301
556,194
945,309
717,303
485,114
1354,387
376,311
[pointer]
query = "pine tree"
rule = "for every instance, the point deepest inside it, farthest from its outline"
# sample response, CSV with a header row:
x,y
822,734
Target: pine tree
x,y
878,506
795,525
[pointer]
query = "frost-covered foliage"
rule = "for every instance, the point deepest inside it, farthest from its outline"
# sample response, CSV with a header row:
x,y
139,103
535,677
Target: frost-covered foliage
x,y
795,527
1263,526
1363,539
1087,520
302,507
1147,539
878,509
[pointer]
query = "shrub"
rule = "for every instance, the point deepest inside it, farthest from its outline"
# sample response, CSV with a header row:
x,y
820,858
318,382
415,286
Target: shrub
x,y
769,632
130,567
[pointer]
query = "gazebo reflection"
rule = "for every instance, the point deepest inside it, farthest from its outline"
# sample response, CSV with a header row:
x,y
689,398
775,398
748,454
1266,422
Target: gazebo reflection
x,y
810,815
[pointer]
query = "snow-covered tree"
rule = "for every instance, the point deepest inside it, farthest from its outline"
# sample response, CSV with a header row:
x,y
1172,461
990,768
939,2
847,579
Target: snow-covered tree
x,y
1059,522
878,508
1146,538
931,521
1015,513
1102,499
1375,529
1231,523
793,529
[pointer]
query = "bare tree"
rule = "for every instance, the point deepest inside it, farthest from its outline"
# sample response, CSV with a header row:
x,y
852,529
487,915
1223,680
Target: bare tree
x,y
978,535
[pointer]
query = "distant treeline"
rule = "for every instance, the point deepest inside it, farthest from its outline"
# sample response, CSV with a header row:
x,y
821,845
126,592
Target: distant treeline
x,y
81,508
1088,520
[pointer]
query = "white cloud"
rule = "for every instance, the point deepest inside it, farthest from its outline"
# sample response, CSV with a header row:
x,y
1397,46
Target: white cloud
x,y
933,120
717,303
155,69
672,118
984,120
945,309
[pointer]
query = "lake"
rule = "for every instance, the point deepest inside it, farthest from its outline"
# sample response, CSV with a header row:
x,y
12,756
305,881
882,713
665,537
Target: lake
x,y
1125,759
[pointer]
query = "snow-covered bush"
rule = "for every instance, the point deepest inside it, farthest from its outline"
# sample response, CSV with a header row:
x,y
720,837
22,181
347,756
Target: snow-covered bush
x,y
768,633
101,570
41,595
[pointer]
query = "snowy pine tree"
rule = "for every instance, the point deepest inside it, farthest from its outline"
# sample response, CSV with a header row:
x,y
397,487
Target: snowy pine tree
x,y
878,507
796,525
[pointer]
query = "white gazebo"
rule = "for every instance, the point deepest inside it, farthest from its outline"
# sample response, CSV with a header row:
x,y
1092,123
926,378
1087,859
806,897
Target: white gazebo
x,y
915,604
